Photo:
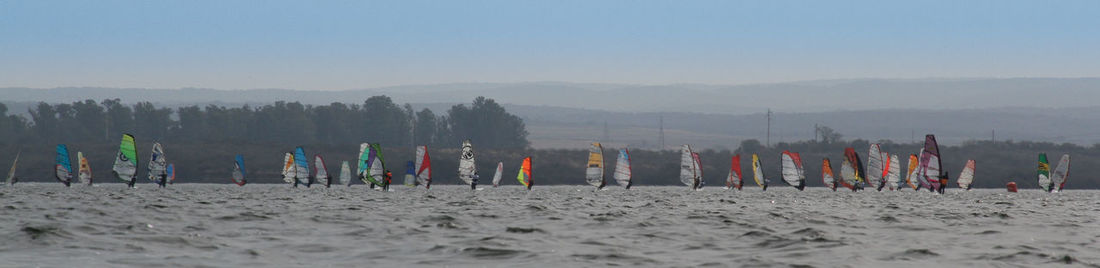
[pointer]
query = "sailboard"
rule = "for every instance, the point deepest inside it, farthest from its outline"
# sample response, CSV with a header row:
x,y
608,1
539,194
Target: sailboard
x,y
1061,174
623,172
793,173
410,174
84,170
734,181
851,170
1045,182
423,167
320,171
911,173
966,178
593,173
125,167
63,168
893,173
687,166
827,174
499,174
345,173
239,174
467,170
875,167
301,167
931,164
524,176
158,165
758,173
288,169
11,173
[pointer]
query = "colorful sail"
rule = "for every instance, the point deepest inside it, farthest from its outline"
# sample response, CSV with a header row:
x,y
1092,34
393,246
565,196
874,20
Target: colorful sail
x,y
467,169
158,165
239,174
524,176
364,163
593,173
11,173
301,167
966,178
687,166
126,163
851,170
1061,174
623,172
410,174
931,163
320,171
423,167
875,167
911,177
499,174
734,180
1045,182
171,173
84,172
63,168
793,173
758,173
893,173
288,169
378,166
827,174
345,173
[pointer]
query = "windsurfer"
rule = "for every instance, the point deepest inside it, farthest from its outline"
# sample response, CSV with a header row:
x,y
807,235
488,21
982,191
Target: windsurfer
x,y
473,184
389,177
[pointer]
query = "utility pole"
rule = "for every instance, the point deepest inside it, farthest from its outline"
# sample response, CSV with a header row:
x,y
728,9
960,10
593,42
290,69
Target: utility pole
x,y
816,130
661,133
768,140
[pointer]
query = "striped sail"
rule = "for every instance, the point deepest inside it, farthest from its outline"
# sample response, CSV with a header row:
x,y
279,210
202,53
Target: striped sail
x,y
911,177
410,173
84,172
239,171
378,166
345,173
125,167
875,167
288,168
930,163
827,174
320,171
1045,182
524,176
851,172
11,173
423,167
758,173
623,172
893,173
63,168
792,171
966,178
466,165
734,180
158,165
301,166
687,166
1061,174
499,174
593,173
364,163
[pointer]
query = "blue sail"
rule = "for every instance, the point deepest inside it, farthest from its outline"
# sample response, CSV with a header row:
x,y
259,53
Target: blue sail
x,y
239,174
64,167
302,166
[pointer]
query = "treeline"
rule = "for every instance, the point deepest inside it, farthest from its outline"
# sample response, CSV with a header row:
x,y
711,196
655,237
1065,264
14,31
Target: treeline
x,y
377,119
211,162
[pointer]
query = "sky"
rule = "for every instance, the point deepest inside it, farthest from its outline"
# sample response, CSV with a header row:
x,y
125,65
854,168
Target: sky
x,y
338,45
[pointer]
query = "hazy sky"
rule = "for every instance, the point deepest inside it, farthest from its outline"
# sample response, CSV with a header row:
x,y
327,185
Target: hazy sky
x,y
360,44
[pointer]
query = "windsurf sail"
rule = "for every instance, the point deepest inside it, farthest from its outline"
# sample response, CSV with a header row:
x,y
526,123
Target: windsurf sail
x,y
410,174
288,169
593,173
171,173
11,173
423,167
301,167
687,166
524,176
378,167
734,180
1045,182
623,170
320,171
84,172
363,164
851,170
875,167
827,174
966,178
792,170
911,173
125,167
345,173
930,163
758,173
64,169
1061,174
239,171
499,174
893,173
158,165
467,169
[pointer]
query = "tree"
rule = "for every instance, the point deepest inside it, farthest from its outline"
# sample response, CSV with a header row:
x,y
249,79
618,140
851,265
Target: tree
x,y
487,124
425,128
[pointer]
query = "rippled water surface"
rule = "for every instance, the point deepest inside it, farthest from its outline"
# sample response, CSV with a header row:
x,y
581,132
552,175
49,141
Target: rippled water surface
x,y
276,225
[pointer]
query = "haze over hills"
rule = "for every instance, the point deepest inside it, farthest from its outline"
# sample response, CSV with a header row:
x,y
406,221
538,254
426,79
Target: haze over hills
x,y
568,115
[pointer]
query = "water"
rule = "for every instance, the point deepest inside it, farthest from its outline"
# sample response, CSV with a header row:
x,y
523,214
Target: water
x,y
275,225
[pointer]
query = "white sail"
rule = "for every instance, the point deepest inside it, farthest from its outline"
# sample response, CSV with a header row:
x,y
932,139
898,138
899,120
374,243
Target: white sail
x,y
321,171
875,165
966,178
158,165
84,173
288,168
790,171
893,173
687,166
11,173
499,174
848,172
1061,174
466,165
345,173
622,168
593,173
